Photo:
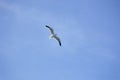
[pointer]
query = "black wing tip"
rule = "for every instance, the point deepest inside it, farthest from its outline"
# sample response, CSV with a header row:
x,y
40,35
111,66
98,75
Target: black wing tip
x,y
46,26
60,44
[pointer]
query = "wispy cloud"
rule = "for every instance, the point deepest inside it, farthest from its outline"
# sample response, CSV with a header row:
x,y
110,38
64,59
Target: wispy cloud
x,y
21,12
68,28
11,7
66,23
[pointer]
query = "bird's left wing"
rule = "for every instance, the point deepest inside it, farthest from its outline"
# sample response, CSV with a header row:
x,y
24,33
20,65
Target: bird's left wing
x,y
51,30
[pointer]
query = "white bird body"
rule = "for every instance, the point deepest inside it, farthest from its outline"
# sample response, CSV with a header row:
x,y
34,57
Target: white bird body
x,y
53,35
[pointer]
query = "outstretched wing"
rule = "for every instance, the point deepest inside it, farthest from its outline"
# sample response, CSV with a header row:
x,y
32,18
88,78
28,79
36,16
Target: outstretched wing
x,y
51,30
58,39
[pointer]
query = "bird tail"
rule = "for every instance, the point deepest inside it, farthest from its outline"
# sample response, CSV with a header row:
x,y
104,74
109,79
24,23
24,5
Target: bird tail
x,y
50,37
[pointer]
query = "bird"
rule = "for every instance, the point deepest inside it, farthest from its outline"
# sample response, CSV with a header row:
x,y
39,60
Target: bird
x,y
53,35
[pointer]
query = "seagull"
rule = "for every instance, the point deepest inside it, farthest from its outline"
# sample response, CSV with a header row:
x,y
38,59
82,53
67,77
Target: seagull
x,y
53,35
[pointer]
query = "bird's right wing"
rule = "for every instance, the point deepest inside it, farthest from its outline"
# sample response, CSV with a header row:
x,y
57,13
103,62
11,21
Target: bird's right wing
x,y
58,39
51,30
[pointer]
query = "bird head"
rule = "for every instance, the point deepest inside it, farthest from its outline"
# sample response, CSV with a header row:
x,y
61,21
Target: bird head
x,y
55,34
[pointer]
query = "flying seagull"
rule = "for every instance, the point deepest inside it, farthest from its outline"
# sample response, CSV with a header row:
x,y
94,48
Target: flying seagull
x,y
53,35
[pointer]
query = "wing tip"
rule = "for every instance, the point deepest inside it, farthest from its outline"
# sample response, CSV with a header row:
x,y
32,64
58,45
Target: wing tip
x,y
46,25
60,44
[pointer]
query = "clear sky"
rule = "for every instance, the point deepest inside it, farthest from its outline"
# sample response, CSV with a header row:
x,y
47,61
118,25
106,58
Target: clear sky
x,y
89,31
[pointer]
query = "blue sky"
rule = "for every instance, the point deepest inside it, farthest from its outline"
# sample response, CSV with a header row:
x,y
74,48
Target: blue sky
x,y
89,31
